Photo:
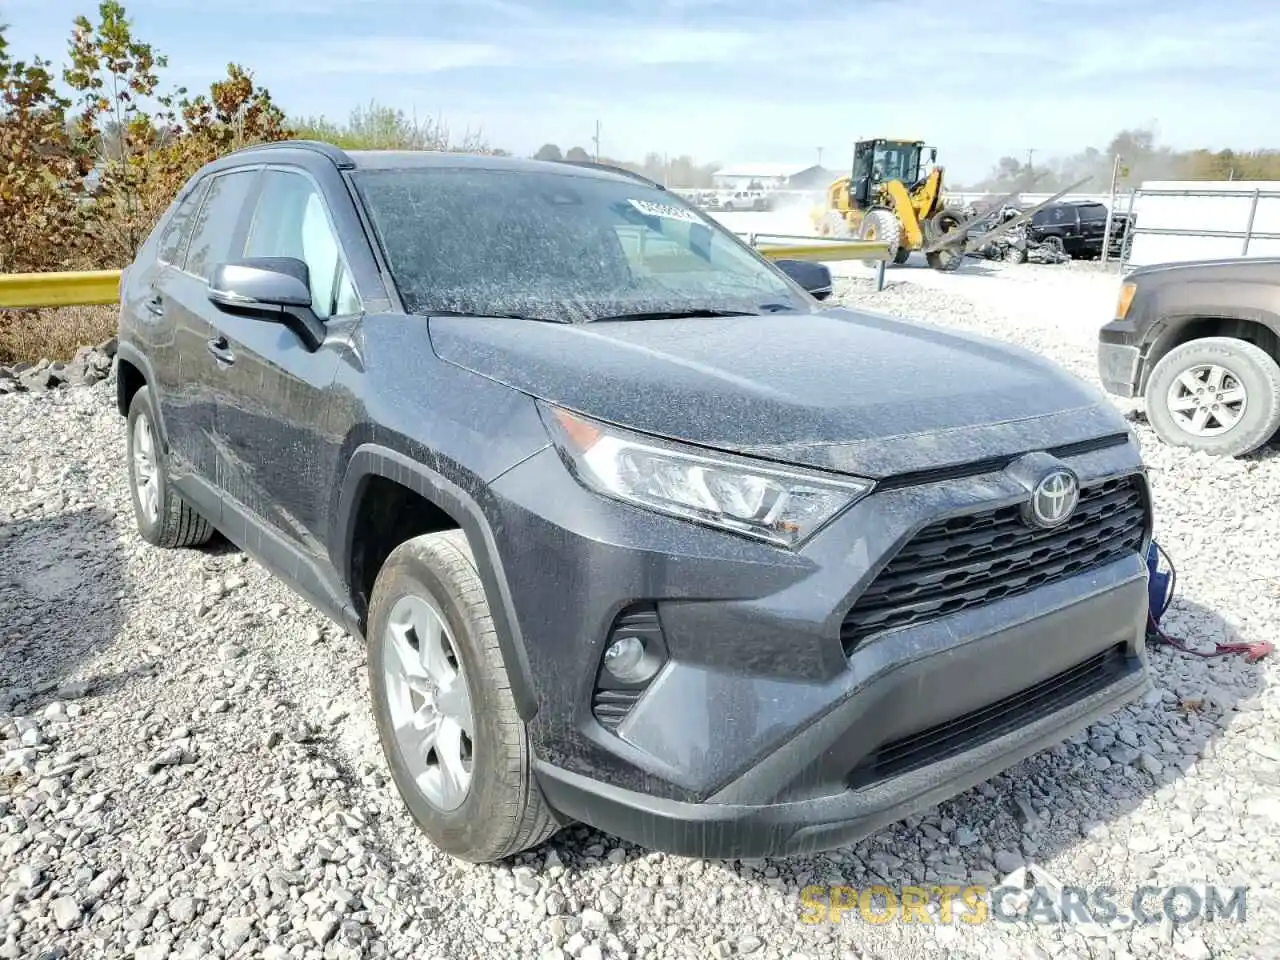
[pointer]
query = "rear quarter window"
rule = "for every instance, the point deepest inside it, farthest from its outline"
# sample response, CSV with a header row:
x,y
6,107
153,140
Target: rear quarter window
x,y
172,245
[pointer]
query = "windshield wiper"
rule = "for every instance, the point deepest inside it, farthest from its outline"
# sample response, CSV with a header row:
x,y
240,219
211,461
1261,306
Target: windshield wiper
x,y
501,316
677,315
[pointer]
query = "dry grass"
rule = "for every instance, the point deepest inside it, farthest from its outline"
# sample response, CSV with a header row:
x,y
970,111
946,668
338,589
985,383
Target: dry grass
x,y
55,333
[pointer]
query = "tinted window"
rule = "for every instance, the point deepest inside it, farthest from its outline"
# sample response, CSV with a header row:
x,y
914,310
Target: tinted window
x,y
1092,211
291,221
216,224
173,241
556,246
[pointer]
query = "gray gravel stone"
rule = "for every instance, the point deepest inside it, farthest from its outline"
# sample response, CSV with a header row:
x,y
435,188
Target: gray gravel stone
x,y
65,912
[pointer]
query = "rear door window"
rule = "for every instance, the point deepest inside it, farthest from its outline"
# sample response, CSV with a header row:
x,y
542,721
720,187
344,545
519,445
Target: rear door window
x,y
218,223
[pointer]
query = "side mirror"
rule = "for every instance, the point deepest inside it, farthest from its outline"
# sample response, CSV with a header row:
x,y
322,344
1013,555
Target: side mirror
x,y
814,277
261,285
933,154
275,289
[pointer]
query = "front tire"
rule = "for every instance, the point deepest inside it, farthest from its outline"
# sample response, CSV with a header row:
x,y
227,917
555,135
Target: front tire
x,y
880,225
458,751
163,518
939,225
1216,394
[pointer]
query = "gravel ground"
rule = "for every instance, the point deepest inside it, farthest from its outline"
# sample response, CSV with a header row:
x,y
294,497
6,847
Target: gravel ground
x,y
190,769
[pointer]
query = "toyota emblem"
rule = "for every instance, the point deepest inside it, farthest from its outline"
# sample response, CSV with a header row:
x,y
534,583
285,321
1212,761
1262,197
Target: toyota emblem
x,y
1053,499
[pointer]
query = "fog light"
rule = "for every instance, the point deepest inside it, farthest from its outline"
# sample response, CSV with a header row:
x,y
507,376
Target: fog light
x,y
627,660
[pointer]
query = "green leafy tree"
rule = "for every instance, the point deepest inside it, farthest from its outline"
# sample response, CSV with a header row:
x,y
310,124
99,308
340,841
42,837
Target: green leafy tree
x,y
41,171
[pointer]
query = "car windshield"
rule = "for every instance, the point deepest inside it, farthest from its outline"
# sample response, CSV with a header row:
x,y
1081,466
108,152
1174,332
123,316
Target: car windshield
x,y
558,246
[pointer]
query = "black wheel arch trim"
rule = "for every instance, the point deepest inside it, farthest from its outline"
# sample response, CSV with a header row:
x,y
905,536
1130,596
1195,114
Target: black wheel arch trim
x,y
133,356
373,460
1162,336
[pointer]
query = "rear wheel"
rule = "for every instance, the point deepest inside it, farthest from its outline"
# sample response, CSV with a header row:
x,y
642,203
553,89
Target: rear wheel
x,y
881,226
936,227
458,751
1217,394
833,224
1015,254
163,518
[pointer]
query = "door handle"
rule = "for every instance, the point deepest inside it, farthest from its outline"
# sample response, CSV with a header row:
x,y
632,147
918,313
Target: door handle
x,y
221,350
155,305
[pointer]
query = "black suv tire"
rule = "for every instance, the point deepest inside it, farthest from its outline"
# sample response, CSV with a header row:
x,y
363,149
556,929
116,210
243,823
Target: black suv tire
x,y
165,519
503,810
1253,368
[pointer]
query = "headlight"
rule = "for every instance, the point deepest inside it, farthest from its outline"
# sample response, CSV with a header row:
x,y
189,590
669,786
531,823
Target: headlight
x,y
743,496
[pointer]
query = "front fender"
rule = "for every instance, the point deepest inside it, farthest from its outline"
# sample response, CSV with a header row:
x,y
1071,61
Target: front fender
x,y
374,460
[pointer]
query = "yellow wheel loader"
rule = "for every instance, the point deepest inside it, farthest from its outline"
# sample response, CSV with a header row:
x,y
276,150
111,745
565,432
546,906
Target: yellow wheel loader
x,y
891,197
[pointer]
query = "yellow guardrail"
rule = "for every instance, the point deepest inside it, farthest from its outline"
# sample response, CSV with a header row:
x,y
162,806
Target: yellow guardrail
x,y
845,250
82,288
85,288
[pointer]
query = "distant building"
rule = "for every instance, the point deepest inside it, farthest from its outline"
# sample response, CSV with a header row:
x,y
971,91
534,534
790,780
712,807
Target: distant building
x,y
772,176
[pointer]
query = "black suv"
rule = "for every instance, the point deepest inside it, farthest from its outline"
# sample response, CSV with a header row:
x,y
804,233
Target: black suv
x,y
637,531
1080,225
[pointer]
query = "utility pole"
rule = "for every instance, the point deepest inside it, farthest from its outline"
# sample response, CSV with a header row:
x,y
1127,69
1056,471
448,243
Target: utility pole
x,y
819,156
1111,205
596,141
1031,152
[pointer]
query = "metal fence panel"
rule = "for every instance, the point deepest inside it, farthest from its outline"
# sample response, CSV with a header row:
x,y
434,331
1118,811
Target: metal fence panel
x,y
1177,221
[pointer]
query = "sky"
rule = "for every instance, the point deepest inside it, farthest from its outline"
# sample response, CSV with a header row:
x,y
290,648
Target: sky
x,y
752,81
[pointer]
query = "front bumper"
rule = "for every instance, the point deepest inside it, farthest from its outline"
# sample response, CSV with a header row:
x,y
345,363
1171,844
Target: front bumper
x,y
761,735
729,830
1120,359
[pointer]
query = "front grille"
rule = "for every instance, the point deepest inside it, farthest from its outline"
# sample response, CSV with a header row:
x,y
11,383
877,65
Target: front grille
x,y
971,560
994,720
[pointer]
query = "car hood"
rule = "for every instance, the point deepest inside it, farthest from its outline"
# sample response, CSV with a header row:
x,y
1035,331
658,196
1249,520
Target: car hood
x,y
836,389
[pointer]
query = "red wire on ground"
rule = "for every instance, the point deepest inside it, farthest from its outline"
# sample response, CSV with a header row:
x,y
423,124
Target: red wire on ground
x,y
1253,652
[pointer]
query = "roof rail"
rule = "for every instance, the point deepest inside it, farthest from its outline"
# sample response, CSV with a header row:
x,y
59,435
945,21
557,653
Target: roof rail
x,y
339,156
622,171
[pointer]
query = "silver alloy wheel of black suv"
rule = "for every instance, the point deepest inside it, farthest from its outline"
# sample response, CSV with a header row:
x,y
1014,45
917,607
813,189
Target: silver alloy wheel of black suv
x,y
1216,394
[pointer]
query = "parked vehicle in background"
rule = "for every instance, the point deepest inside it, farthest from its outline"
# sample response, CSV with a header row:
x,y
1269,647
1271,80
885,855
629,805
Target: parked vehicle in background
x,y
636,531
745,200
1080,226
1199,342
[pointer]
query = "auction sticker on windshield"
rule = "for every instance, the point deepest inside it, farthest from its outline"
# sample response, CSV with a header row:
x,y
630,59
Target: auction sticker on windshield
x,y
651,209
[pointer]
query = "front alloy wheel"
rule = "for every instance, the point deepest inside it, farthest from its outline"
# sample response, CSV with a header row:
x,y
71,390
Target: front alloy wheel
x,y
429,702
1207,400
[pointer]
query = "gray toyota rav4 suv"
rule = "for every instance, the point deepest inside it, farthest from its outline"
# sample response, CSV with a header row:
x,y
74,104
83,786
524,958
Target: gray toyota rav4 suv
x,y
638,531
